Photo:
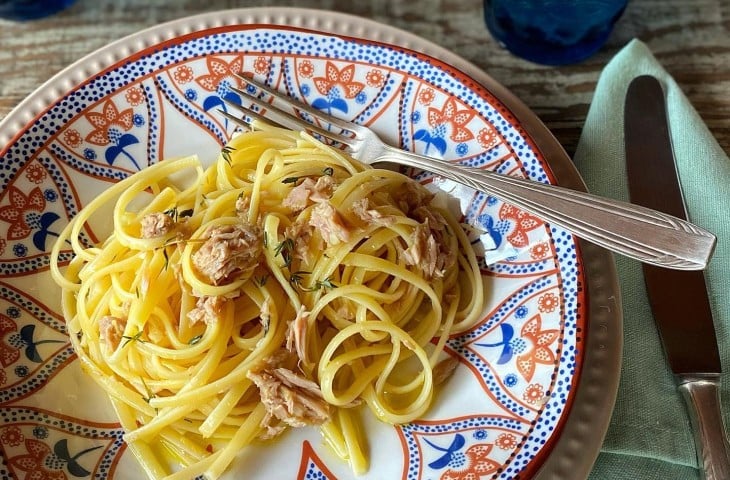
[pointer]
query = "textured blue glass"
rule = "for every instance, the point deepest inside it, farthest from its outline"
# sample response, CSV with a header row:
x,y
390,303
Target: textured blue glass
x,y
31,9
552,32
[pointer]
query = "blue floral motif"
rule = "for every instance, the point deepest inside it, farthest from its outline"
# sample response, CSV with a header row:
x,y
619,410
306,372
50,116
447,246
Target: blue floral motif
x,y
416,117
60,450
89,154
305,90
492,201
522,311
24,338
191,94
21,371
20,250
480,434
42,223
50,195
40,432
13,312
434,138
508,343
361,98
452,456
462,149
495,229
333,100
120,141
510,380
138,120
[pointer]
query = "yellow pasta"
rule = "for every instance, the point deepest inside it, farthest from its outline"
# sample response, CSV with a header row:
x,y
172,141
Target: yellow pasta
x,y
285,285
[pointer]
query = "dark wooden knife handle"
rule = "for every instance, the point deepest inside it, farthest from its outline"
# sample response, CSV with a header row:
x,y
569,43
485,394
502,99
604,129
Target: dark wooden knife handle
x,y
703,401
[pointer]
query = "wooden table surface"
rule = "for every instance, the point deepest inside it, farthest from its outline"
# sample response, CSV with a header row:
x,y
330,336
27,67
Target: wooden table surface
x,y
691,38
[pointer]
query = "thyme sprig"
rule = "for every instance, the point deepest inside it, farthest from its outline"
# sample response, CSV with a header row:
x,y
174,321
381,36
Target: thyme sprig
x,y
226,153
137,337
286,249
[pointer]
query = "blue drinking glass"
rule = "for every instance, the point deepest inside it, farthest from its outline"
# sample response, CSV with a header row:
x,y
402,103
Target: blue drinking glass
x,y
31,9
552,32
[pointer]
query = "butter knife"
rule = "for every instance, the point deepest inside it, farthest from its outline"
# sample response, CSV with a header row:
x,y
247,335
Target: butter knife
x,y
678,299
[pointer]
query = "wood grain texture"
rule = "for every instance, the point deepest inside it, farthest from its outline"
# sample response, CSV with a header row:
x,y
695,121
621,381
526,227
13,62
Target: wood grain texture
x,y
691,38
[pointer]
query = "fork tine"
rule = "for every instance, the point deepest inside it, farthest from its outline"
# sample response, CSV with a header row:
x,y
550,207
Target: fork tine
x,y
323,117
286,119
241,120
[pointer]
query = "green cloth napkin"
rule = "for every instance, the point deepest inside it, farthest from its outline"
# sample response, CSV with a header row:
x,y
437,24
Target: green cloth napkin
x,y
649,436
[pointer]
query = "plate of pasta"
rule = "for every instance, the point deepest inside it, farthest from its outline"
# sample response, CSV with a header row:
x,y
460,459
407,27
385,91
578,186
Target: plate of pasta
x,y
180,298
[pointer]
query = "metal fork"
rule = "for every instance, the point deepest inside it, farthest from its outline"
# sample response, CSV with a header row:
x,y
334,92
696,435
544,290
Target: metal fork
x,y
631,230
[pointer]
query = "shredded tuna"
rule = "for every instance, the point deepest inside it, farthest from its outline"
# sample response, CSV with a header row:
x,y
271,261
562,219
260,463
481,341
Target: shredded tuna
x,y
207,310
301,233
412,196
111,329
428,250
361,209
308,189
243,202
423,251
296,335
444,369
436,221
156,224
290,398
322,190
230,251
299,195
329,223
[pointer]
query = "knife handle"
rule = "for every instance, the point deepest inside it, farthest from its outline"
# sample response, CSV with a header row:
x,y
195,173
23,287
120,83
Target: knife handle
x,y
702,396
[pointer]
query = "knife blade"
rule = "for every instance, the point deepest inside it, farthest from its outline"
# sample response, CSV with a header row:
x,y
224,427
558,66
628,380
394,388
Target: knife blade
x,y
678,299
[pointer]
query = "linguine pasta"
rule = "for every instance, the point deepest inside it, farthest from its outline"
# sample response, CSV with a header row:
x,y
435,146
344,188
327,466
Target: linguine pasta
x,y
285,285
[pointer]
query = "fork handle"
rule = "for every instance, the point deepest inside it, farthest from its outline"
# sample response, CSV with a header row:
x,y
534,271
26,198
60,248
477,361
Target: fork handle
x,y
631,230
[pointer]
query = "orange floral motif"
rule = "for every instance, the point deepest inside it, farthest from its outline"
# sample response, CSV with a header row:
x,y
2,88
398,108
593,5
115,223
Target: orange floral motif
x,y
104,123
533,393
478,464
8,355
548,303
35,173
426,96
506,441
12,436
540,352
335,77
487,138
261,65
458,119
34,462
375,78
541,250
221,73
524,222
20,206
306,69
72,137
134,96
183,74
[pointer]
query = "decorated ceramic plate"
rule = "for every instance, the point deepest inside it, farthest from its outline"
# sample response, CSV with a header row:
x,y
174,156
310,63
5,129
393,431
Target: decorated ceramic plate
x,y
537,376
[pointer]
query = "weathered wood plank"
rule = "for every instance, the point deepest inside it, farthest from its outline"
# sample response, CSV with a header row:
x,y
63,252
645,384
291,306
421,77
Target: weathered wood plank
x,y
691,39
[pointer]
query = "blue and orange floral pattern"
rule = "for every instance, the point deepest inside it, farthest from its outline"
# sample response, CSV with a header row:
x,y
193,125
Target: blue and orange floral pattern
x,y
515,363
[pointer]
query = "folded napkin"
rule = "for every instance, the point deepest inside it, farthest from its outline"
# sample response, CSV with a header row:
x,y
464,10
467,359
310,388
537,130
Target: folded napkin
x,y
649,436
